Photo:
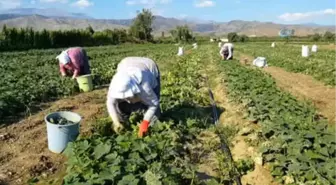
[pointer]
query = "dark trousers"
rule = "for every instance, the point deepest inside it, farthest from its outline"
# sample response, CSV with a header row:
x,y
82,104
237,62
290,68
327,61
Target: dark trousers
x,y
85,68
124,109
226,54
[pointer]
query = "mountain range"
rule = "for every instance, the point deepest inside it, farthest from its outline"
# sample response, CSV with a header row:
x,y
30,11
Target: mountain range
x,y
53,19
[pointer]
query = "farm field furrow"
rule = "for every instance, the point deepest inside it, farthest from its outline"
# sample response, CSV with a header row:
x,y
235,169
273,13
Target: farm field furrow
x,y
320,65
29,78
173,152
296,142
184,147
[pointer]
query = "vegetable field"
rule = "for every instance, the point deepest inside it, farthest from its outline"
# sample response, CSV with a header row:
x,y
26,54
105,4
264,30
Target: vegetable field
x,y
320,65
29,78
185,147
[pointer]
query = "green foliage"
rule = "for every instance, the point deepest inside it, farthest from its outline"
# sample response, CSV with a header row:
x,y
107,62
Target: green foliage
x,y
162,157
182,34
328,36
29,78
245,165
20,39
298,144
90,30
243,38
233,37
316,37
320,65
142,25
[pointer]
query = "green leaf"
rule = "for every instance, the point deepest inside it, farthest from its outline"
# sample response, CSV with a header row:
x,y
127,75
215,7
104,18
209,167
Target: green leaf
x,y
110,173
324,151
310,175
111,156
212,182
313,155
101,150
128,180
151,178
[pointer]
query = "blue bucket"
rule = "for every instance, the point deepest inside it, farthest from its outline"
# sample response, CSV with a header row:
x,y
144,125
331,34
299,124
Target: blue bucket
x,y
60,135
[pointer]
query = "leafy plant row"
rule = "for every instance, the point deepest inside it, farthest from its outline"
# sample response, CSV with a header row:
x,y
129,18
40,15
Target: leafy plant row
x,y
320,65
28,78
163,157
298,143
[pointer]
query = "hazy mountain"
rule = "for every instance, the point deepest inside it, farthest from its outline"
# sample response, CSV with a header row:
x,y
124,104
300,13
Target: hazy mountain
x,y
52,19
48,12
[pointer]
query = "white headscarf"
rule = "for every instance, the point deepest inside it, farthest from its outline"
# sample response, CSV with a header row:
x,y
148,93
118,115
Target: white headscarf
x,y
123,86
63,58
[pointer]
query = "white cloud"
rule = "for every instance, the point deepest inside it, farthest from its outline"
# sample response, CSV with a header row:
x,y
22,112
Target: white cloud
x,y
54,1
9,4
148,3
130,2
204,3
33,2
82,4
306,15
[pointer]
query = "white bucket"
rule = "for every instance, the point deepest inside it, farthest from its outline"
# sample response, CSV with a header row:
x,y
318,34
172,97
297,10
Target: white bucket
x,y
60,135
314,48
273,45
305,51
180,51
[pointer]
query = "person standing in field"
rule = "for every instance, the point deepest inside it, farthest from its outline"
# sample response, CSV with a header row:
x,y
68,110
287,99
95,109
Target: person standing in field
x,y
75,61
135,86
226,51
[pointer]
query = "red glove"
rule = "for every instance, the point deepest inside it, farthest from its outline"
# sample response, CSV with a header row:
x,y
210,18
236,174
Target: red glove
x,y
143,128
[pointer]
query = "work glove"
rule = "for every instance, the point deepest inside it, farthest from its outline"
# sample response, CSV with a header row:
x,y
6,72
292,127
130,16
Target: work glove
x,y
143,128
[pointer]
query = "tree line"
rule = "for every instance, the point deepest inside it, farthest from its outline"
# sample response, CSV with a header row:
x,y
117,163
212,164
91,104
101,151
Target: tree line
x,y
140,31
327,36
18,39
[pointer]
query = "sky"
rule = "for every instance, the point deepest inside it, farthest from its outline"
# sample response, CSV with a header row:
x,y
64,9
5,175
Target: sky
x,y
279,11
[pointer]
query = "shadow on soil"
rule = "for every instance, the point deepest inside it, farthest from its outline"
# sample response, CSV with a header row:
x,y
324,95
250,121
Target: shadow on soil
x,y
184,112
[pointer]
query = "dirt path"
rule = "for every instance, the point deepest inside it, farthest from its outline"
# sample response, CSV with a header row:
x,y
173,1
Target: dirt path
x,y
233,115
329,47
303,87
23,145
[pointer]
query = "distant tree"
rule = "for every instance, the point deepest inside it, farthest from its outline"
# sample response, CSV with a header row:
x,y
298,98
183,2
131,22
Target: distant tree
x,y
243,38
328,36
316,37
182,34
141,27
233,37
90,30
13,36
4,30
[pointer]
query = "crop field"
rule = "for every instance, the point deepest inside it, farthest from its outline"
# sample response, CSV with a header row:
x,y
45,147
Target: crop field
x,y
293,143
320,65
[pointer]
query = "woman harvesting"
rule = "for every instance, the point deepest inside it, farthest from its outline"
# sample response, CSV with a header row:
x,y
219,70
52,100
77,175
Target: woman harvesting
x,y
75,61
135,86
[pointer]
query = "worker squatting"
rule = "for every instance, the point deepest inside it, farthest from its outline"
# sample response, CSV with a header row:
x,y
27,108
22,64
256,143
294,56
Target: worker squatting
x,y
135,86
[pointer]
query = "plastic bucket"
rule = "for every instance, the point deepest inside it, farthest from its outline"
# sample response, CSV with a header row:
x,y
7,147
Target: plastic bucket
x,y
60,135
85,83
305,51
